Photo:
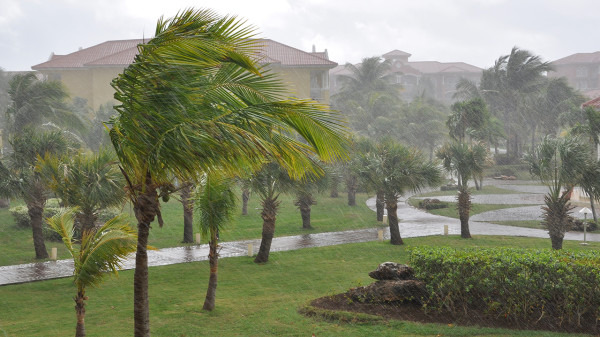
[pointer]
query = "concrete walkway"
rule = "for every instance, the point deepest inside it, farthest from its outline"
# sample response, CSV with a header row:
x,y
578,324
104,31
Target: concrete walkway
x,y
414,223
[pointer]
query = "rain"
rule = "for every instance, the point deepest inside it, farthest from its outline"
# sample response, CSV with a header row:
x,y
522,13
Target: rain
x,y
298,168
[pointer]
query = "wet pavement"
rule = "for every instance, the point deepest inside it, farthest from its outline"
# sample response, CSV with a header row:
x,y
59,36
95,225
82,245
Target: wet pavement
x,y
413,223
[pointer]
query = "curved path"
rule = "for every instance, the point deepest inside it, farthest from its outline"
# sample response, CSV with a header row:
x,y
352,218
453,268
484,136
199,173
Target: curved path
x,y
414,223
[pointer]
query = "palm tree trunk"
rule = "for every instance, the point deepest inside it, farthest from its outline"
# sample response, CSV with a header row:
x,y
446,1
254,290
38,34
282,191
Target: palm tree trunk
x,y
593,208
351,182
557,241
464,208
305,214
80,312
245,198
213,260
36,214
391,204
146,207
380,205
334,189
188,214
269,213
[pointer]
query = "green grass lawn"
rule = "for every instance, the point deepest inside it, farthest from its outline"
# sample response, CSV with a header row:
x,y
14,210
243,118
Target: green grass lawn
x,y
330,214
252,300
452,212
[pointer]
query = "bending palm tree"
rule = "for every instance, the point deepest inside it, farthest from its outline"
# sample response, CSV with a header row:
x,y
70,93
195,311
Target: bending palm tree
x,y
194,101
215,205
100,251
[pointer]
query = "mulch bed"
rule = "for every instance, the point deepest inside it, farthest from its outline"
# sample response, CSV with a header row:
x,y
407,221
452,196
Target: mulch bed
x,y
406,311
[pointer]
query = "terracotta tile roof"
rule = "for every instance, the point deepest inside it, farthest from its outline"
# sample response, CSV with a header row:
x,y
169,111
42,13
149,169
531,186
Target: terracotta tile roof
x,y
595,103
579,58
82,58
429,67
290,56
122,53
396,52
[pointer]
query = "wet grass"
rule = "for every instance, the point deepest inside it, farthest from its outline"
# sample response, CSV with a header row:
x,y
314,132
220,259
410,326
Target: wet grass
x,y
252,300
329,215
486,189
452,211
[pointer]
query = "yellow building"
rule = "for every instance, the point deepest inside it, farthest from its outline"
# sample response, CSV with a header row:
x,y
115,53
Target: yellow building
x,y
87,73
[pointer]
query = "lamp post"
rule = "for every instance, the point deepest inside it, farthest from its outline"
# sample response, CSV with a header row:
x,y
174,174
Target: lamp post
x,y
585,212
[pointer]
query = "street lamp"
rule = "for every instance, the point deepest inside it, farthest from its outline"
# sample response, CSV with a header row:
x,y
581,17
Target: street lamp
x,y
585,212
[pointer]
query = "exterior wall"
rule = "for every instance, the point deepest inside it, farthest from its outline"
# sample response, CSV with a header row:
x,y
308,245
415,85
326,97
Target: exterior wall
x,y
298,82
103,92
78,82
581,76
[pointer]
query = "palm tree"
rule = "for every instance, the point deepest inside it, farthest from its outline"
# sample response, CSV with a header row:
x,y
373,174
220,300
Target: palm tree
x,y
559,164
90,181
33,102
99,252
305,190
395,170
369,97
505,87
18,177
186,194
215,206
193,101
269,182
467,161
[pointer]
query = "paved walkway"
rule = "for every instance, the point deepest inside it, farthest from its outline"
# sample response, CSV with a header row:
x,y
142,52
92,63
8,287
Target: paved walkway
x,y
414,223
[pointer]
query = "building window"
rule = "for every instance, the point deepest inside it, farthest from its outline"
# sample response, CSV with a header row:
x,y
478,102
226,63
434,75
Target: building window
x,y
319,81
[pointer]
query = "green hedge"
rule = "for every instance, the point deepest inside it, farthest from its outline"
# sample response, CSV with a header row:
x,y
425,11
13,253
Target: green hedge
x,y
522,285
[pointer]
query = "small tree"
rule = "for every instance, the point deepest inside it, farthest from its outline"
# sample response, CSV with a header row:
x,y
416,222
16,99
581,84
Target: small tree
x,y
305,190
559,164
215,205
467,161
99,252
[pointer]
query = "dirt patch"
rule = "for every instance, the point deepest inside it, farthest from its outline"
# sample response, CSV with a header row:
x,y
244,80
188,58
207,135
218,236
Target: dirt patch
x,y
407,311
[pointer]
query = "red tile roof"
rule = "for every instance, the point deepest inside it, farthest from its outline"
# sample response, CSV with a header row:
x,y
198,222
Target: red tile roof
x,y
430,67
122,53
595,103
579,58
396,52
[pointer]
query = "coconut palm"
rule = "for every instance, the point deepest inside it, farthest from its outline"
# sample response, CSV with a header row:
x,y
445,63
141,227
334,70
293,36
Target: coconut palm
x,y
18,177
215,205
195,100
396,169
99,252
33,102
90,181
559,164
466,161
269,182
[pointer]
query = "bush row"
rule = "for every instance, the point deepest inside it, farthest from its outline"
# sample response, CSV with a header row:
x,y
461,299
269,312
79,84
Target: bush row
x,y
22,219
522,285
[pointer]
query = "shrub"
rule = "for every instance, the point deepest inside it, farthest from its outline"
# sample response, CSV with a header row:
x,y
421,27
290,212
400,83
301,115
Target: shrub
x,y
577,225
430,204
522,285
21,216
449,188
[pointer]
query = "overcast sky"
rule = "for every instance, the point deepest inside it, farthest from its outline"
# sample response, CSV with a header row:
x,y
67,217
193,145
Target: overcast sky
x,y
471,31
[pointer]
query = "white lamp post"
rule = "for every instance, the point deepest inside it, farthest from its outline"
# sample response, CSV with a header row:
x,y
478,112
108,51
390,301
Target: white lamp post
x,y
585,212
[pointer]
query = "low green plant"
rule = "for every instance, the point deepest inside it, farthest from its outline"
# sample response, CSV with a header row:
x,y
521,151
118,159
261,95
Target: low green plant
x,y
522,285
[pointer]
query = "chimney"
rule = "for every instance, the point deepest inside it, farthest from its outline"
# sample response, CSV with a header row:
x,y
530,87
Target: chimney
x,y
314,50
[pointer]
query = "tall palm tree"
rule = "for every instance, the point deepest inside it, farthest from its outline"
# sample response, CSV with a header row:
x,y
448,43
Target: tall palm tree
x,y
193,101
467,161
99,252
396,169
269,182
559,163
90,181
33,102
369,97
215,205
18,177
505,87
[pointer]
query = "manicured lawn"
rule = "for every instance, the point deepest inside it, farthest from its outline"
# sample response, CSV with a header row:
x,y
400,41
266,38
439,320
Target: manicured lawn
x,y
452,211
487,189
330,214
252,300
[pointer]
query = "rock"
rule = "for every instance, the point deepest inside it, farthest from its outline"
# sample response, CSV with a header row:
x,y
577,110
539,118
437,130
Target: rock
x,y
392,271
389,291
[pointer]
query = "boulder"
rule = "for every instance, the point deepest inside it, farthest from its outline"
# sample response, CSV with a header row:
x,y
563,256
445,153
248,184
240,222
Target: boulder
x,y
392,271
387,291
